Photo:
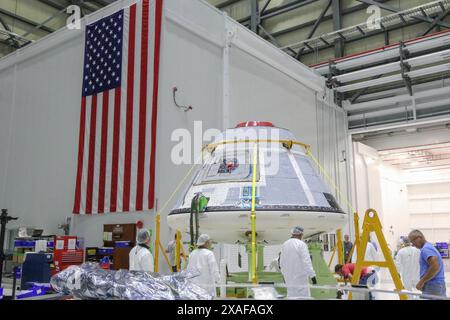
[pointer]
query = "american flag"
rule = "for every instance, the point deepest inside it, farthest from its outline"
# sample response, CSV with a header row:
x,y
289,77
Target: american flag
x,y
116,152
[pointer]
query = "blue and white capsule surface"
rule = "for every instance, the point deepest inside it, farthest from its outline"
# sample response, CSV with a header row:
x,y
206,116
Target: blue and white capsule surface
x,y
289,192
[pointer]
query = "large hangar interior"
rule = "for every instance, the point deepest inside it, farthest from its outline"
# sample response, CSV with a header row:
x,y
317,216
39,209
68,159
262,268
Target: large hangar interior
x,y
224,149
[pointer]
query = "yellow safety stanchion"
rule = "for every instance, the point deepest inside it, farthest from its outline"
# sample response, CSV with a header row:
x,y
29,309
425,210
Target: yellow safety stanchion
x,y
253,214
355,244
159,246
157,242
372,224
178,251
332,257
356,225
340,250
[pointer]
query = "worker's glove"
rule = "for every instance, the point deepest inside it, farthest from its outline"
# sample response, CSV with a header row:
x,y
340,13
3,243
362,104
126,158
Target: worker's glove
x,y
314,280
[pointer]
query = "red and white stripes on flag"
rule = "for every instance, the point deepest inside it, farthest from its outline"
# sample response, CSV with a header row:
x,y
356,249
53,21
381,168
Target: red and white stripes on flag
x,y
117,137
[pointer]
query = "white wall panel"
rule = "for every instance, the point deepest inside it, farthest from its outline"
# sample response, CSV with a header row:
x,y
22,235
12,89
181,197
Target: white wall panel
x,y
429,205
45,119
417,206
441,220
194,66
260,93
396,218
442,235
6,103
421,221
440,205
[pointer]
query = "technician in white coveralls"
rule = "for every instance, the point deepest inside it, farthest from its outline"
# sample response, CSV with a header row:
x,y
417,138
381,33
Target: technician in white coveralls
x,y
372,254
296,265
141,259
407,262
203,260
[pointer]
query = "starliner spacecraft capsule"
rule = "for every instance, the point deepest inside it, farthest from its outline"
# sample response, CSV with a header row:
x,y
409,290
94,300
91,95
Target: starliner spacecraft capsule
x,y
288,190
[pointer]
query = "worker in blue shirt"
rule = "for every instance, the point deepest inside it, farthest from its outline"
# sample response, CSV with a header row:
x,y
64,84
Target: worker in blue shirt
x,y
432,278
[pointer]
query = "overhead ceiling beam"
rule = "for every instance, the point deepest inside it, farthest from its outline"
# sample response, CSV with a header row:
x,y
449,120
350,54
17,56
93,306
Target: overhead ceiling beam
x,y
227,3
314,28
255,16
264,8
394,10
272,12
6,43
90,5
344,12
276,11
25,20
58,6
104,3
337,25
53,4
285,8
13,40
62,11
274,41
436,21
367,35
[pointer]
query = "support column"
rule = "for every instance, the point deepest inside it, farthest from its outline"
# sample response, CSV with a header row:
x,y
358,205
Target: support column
x,y
157,242
339,247
337,25
254,16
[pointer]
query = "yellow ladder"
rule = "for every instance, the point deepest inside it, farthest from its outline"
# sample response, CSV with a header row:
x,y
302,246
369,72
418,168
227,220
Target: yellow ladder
x,y
372,224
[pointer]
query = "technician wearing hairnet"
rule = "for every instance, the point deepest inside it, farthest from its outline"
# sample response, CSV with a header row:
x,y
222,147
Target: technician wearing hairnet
x,y
203,260
141,259
407,261
296,265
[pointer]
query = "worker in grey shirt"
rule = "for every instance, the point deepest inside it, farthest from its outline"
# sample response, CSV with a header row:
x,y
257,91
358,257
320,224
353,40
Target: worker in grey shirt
x,y
347,249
